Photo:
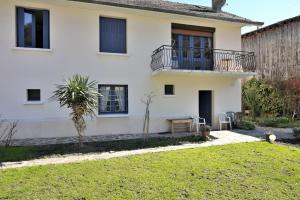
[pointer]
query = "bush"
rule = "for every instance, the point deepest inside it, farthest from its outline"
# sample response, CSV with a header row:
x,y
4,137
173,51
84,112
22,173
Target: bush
x,y
261,98
297,133
290,93
246,125
280,122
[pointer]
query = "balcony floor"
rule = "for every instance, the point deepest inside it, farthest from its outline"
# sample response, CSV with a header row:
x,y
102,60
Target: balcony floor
x,y
232,74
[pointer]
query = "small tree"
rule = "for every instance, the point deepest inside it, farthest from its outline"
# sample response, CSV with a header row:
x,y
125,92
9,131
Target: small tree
x,y
80,95
7,131
147,102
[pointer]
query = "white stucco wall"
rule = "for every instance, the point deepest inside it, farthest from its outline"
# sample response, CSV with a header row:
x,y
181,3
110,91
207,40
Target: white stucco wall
x,y
74,41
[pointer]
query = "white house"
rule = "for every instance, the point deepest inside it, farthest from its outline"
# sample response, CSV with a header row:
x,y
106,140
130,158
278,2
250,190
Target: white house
x,y
188,55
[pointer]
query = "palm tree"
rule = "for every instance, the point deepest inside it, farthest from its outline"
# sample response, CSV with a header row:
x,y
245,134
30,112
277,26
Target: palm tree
x,y
81,96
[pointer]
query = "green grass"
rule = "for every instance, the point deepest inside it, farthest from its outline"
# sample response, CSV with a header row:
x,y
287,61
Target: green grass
x,y
241,171
27,153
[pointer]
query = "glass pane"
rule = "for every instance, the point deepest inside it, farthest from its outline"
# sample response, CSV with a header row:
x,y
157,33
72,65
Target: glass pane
x,y
197,47
174,46
175,40
39,29
186,45
28,28
207,46
33,95
169,89
120,99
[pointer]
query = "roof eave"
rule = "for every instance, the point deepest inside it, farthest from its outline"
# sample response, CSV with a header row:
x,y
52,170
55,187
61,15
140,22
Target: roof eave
x,y
246,22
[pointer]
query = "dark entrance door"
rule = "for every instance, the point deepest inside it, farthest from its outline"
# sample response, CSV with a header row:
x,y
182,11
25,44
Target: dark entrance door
x,y
205,106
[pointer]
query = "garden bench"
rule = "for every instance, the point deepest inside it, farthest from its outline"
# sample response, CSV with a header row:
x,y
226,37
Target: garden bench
x,y
181,124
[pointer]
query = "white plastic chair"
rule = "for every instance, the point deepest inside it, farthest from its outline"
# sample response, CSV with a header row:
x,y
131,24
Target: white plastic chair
x,y
198,122
224,119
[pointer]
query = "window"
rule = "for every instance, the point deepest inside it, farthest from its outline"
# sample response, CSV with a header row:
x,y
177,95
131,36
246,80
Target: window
x,y
113,99
33,95
32,28
112,35
169,90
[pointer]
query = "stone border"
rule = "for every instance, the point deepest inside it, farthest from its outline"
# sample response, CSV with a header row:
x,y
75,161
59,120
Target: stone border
x,y
97,138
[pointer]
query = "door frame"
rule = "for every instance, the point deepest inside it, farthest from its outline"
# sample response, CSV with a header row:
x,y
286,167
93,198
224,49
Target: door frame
x,y
212,104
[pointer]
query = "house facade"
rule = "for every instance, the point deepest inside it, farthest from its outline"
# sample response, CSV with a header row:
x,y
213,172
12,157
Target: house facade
x,y
277,49
188,56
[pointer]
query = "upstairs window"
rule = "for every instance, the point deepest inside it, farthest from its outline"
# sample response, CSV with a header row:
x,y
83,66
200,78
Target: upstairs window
x,y
33,95
113,99
112,35
32,28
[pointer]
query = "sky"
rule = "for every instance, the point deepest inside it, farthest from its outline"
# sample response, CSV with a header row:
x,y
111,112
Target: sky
x,y
267,11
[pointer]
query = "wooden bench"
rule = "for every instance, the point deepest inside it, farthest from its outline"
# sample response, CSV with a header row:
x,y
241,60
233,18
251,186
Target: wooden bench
x,y
181,125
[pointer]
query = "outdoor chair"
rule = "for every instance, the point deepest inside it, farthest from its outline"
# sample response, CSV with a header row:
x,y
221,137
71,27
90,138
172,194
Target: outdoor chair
x,y
224,119
198,122
233,118
295,116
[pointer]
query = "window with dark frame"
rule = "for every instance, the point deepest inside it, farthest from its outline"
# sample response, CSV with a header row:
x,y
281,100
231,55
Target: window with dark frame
x,y
32,28
33,95
169,90
113,99
112,35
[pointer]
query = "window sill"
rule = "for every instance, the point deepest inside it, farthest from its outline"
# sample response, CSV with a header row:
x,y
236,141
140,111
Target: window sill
x,y
32,49
113,54
113,115
33,103
169,96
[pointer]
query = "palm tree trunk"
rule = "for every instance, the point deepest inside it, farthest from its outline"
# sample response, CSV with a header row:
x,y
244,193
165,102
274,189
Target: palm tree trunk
x,y
79,123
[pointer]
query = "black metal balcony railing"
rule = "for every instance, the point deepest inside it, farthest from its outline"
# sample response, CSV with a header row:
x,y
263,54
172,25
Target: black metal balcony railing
x,y
168,57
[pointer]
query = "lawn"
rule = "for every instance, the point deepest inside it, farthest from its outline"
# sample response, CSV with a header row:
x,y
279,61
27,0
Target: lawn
x,y
240,171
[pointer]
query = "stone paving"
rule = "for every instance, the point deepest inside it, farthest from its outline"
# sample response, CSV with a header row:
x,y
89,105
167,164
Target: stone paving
x,y
222,138
259,132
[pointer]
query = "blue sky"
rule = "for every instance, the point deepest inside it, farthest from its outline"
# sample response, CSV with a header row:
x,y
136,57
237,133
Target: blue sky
x,y
267,11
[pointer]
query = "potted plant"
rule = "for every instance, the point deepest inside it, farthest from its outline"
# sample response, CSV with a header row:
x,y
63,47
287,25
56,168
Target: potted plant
x,y
205,131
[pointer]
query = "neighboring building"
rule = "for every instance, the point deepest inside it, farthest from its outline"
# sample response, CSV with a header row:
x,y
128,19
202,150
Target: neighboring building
x,y
195,69
277,49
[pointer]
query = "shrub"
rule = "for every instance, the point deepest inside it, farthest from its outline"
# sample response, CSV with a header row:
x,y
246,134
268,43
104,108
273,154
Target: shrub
x,y
246,125
280,122
261,97
250,98
290,93
297,133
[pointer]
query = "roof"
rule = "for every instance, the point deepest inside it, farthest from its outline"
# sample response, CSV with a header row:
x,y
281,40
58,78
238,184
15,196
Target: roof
x,y
272,26
174,8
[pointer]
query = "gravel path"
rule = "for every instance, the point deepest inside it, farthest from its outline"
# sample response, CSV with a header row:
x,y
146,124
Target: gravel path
x,y
223,138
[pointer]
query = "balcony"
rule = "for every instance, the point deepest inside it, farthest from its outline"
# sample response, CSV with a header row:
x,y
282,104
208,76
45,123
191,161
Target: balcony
x,y
168,59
